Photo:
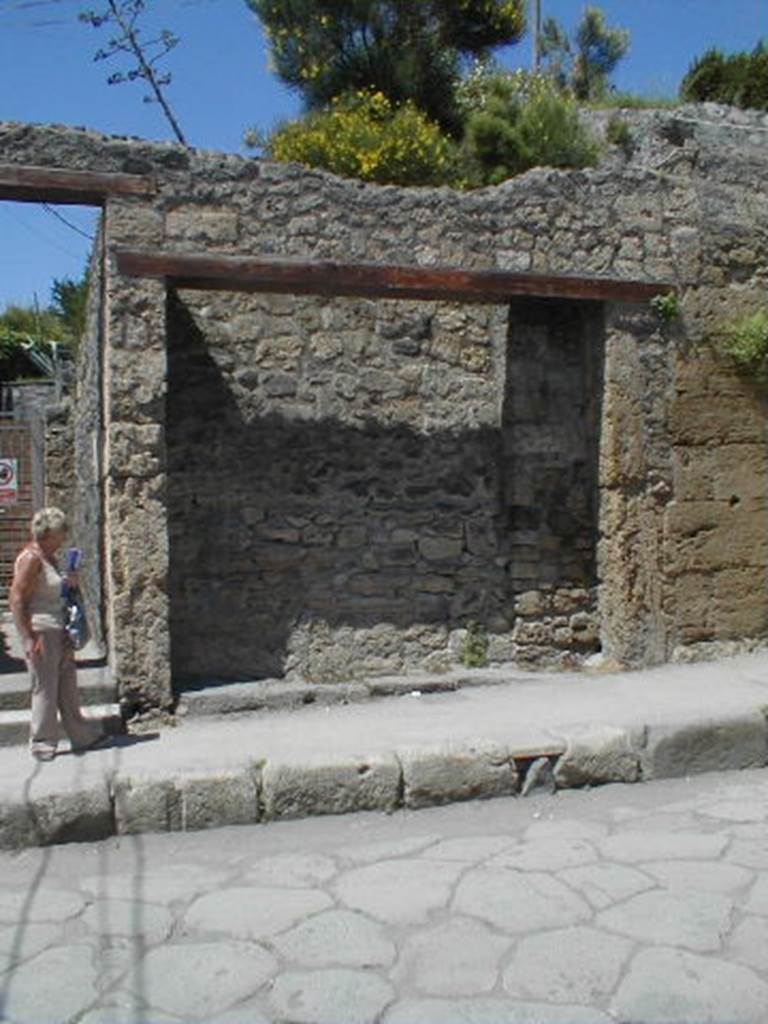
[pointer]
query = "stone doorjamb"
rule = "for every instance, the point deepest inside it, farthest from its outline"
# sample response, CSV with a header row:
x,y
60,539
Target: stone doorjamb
x,y
635,479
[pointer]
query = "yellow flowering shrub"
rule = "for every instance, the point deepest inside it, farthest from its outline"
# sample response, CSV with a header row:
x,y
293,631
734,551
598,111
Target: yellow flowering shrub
x,y
364,135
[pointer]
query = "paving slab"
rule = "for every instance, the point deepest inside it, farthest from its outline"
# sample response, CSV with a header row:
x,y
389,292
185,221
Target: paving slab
x,y
459,957
672,986
568,965
467,742
330,996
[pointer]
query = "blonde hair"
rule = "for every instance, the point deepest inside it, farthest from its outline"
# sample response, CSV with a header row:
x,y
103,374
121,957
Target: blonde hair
x,y
48,520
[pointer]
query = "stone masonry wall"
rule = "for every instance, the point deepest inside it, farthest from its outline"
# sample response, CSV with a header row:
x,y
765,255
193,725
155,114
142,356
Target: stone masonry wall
x,y
270,426
378,455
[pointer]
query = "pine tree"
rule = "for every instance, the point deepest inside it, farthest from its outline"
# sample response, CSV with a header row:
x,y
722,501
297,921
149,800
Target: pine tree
x,y
404,49
586,64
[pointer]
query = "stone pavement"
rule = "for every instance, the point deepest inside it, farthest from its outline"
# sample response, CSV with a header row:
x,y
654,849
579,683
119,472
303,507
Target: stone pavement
x,y
625,904
413,750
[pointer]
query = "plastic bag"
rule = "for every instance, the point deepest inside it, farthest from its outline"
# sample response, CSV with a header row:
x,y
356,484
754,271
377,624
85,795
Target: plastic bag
x,y
75,619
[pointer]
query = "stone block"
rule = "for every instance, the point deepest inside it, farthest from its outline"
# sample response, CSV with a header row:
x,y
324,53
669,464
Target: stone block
x,y
532,632
740,602
202,223
138,389
325,347
299,790
701,374
481,539
135,223
693,473
566,601
432,584
137,449
693,606
281,385
597,754
687,749
352,537
531,603
740,471
146,805
447,773
440,549
697,420
66,817
708,535
212,801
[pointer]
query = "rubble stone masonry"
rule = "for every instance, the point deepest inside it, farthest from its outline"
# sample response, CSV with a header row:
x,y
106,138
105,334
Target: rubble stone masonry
x,y
335,487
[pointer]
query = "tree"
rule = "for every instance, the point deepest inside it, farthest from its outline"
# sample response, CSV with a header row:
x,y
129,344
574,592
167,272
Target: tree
x,y
403,49
740,79
69,299
25,328
516,121
125,14
585,66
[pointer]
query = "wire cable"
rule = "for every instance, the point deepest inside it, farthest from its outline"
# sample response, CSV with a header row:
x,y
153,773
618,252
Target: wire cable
x,y
59,216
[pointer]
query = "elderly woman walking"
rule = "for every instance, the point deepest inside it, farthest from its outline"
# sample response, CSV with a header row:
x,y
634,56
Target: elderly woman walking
x,y
38,611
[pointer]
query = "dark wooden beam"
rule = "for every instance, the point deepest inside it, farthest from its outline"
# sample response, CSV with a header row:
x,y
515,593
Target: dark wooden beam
x,y
330,277
54,185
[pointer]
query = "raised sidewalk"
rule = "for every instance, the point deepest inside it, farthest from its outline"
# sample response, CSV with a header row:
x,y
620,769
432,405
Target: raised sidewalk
x,y
498,734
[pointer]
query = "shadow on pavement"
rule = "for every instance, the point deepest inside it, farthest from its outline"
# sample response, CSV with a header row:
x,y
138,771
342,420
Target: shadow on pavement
x,y
117,741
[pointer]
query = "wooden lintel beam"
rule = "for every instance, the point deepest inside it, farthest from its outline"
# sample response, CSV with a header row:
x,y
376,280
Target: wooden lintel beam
x,y
56,185
329,277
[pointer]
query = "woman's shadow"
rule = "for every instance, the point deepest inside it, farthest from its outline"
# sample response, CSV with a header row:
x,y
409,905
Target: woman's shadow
x,y
9,662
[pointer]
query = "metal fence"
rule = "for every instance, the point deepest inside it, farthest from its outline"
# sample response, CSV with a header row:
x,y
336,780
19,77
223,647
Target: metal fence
x,y
22,448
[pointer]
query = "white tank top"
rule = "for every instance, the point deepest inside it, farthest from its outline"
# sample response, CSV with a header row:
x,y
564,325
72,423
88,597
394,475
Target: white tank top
x,y
46,608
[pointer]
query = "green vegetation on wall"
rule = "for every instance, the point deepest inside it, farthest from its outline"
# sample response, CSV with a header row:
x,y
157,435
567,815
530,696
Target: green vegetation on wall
x,y
745,343
474,651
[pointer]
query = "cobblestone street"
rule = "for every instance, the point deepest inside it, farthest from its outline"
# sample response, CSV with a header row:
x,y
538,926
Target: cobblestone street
x,y
638,904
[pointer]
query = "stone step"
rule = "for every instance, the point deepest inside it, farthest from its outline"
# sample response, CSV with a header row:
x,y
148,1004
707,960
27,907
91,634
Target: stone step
x,y
96,686
213,698
14,724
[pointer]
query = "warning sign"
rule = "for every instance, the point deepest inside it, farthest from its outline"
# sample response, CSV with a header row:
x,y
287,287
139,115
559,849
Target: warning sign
x,y
9,480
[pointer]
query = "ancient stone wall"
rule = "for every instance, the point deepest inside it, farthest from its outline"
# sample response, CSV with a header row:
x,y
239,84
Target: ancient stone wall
x,y
339,486
414,465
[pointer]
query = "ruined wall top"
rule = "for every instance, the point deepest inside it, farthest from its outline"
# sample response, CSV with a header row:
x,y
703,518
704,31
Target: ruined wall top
x,y
720,137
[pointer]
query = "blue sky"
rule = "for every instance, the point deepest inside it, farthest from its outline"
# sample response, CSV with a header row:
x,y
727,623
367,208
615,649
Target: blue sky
x,y
222,84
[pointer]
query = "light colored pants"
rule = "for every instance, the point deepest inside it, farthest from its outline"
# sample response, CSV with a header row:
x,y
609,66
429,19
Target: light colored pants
x,y
54,688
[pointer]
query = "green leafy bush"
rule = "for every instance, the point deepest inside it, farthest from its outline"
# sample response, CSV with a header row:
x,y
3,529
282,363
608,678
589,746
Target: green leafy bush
x,y
740,79
746,343
364,135
618,133
518,121
666,306
474,651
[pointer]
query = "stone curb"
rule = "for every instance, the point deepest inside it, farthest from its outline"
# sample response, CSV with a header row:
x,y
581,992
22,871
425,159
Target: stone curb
x,y
129,803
